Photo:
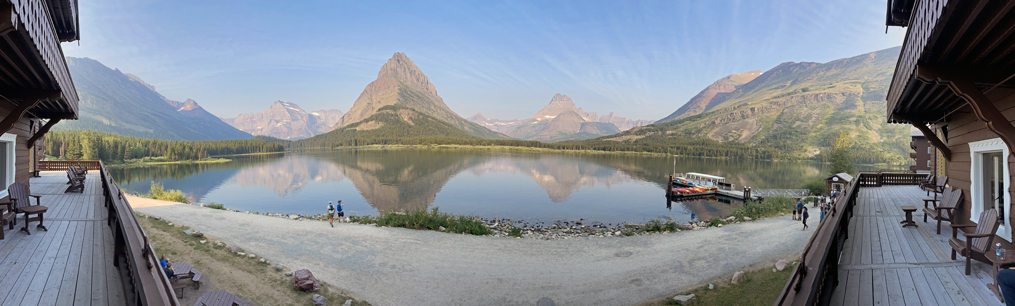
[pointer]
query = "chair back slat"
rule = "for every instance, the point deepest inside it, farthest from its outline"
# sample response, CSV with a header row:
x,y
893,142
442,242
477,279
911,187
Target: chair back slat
x,y
953,201
942,181
987,225
19,194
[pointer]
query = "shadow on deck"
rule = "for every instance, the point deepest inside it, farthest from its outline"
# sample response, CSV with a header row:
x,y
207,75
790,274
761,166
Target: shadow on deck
x,y
72,263
883,263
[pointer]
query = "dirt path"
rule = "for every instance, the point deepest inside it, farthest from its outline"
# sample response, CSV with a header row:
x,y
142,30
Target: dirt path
x,y
394,266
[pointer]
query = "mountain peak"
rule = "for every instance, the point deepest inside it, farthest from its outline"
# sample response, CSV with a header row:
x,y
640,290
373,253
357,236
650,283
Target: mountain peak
x,y
400,67
477,117
558,104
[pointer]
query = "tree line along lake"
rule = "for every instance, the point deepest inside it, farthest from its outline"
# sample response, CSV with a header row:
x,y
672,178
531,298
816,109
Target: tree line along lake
x,y
535,187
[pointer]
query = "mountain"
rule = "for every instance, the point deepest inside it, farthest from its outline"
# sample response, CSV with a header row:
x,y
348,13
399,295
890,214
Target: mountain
x,y
400,82
798,109
114,102
391,124
285,120
717,92
560,120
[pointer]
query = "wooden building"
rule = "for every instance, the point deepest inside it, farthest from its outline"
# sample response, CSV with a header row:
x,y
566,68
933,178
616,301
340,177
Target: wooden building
x,y
954,83
923,154
837,182
35,86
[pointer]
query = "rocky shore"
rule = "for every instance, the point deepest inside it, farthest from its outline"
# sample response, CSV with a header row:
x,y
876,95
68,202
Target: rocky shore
x,y
558,230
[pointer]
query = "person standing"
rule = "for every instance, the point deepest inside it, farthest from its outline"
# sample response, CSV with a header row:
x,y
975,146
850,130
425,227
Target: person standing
x,y
800,208
331,214
1006,284
821,218
804,216
341,214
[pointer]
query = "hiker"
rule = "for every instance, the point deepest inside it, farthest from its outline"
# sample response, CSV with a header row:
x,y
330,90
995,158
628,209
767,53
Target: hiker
x,y
331,214
804,216
800,208
693,219
166,266
341,214
821,217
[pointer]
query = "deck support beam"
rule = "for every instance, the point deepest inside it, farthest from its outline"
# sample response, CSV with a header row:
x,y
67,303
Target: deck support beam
x,y
927,133
16,114
42,132
984,109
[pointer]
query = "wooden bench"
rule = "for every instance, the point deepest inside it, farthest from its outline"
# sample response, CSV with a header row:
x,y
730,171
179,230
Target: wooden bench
x,y
219,298
179,286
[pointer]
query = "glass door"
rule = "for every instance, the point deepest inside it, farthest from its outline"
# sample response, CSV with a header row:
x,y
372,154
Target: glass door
x,y
993,182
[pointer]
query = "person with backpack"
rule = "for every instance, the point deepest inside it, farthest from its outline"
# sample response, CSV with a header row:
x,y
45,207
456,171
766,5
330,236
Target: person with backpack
x,y
799,208
803,216
331,213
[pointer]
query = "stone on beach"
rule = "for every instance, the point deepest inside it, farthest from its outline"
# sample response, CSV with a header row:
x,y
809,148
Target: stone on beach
x,y
781,264
320,300
241,253
233,249
252,256
188,232
279,268
294,216
347,303
684,299
738,278
305,281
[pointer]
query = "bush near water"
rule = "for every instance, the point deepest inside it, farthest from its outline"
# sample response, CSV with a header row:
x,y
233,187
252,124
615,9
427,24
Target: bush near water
x,y
160,193
427,220
770,206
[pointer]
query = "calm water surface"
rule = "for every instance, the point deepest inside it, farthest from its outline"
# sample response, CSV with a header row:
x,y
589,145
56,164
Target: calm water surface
x,y
522,186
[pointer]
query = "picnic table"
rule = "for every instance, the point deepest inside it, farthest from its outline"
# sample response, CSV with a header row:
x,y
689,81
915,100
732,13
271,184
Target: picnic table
x,y
219,298
182,270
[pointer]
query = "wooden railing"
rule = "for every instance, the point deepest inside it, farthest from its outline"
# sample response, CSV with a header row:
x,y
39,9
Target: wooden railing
x,y
816,276
146,283
61,165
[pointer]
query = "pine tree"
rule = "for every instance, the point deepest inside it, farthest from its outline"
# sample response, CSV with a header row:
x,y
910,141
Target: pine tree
x,y
842,156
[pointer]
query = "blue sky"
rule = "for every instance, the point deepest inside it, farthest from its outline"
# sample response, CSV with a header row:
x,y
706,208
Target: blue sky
x,y
640,59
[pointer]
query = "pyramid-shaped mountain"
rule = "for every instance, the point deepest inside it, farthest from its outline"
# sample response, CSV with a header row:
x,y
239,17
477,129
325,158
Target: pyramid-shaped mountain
x,y
401,83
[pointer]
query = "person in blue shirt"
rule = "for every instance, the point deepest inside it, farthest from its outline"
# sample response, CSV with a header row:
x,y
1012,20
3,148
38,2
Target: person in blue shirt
x,y
166,266
341,214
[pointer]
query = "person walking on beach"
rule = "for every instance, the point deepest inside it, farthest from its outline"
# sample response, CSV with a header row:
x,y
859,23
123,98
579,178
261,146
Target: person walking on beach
x,y
804,216
341,214
799,208
331,214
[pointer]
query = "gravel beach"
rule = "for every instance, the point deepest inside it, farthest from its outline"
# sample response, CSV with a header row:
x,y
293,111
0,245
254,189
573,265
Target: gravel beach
x,y
395,266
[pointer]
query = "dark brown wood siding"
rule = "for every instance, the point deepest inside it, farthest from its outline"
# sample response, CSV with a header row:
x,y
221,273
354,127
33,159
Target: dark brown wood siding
x,y
964,127
22,130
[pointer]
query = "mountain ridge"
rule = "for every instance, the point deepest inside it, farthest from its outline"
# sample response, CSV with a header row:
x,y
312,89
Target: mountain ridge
x,y
286,120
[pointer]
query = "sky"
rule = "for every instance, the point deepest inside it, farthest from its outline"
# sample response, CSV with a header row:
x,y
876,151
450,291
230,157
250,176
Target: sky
x,y
506,59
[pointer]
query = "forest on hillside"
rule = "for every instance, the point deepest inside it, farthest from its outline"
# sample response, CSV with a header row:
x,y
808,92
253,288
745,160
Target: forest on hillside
x,y
113,148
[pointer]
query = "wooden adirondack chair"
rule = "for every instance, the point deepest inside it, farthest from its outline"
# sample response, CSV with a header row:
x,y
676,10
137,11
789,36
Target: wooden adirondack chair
x,y
76,182
7,217
937,187
950,200
976,243
927,182
21,197
944,198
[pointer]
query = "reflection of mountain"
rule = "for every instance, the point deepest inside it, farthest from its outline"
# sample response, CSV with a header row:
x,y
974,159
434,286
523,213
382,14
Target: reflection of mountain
x,y
289,174
560,176
403,179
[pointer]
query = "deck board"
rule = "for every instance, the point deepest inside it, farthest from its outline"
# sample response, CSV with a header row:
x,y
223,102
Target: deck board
x,y
883,263
71,264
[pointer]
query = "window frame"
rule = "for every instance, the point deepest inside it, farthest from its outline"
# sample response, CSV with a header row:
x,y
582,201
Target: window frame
x,y
11,160
976,150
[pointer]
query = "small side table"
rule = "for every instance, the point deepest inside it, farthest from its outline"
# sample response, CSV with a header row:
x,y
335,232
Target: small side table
x,y
909,216
1008,260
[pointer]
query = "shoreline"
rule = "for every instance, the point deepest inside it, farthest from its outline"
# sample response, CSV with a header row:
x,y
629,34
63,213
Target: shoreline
x,y
397,266
502,227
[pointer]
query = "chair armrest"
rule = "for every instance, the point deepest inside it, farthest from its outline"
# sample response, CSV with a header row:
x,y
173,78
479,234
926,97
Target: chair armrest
x,y
962,225
939,208
976,235
36,196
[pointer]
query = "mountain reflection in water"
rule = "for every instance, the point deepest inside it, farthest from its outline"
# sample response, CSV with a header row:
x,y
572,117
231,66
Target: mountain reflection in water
x,y
536,187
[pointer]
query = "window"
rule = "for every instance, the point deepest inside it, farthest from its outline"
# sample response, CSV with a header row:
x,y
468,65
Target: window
x,y
928,150
6,162
928,163
989,189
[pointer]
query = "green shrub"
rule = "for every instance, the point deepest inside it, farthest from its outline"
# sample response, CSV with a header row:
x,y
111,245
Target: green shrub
x,y
160,193
515,232
714,222
768,207
666,224
815,187
215,205
427,220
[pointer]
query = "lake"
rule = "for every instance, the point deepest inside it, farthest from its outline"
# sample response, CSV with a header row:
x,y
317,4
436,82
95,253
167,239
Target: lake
x,y
535,187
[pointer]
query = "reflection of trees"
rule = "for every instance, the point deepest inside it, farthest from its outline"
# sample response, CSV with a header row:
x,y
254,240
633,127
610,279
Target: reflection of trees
x,y
185,176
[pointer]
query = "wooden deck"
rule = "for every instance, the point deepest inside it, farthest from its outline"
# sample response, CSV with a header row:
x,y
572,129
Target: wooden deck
x,y
883,263
72,263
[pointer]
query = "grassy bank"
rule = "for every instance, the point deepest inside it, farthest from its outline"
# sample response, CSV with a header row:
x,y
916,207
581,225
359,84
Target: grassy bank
x,y
427,220
160,193
244,277
248,154
769,207
761,288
